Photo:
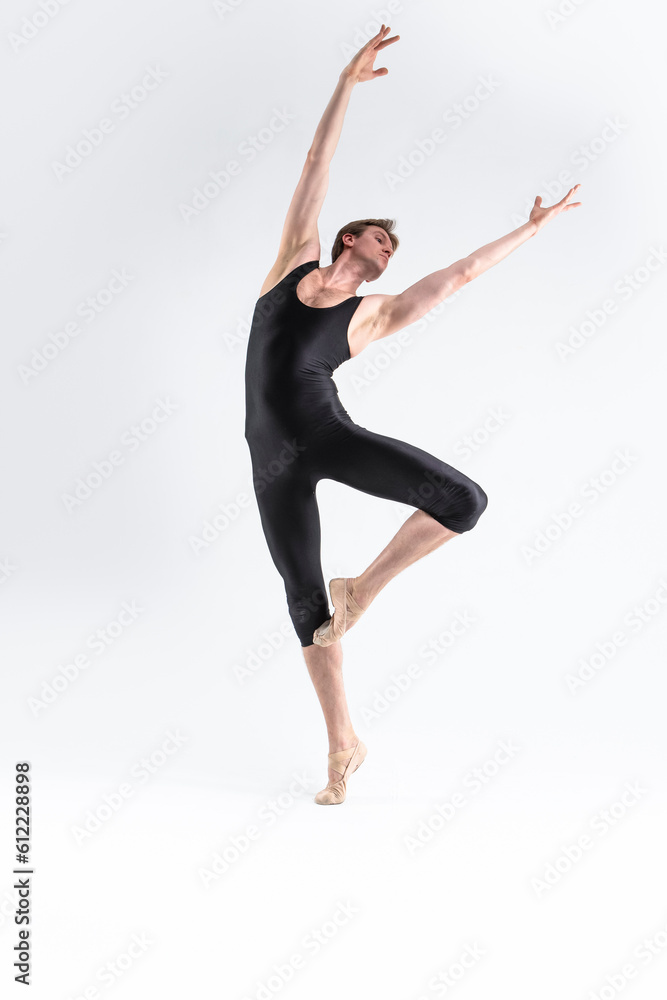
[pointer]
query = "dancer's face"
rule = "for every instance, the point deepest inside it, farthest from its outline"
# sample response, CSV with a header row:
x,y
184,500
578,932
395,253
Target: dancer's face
x,y
374,247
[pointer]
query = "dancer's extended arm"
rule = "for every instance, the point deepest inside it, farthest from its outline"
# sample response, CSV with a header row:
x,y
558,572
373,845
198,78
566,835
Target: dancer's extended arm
x,y
301,221
401,310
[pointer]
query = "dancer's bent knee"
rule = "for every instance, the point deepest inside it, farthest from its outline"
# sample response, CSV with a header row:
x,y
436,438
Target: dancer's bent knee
x,y
463,515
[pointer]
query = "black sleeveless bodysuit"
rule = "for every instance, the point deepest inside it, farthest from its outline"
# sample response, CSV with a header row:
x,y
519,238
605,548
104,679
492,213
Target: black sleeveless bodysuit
x,y
298,432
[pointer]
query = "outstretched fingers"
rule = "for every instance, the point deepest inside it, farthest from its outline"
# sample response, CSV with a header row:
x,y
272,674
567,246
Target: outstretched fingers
x,y
387,41
569,194
380,41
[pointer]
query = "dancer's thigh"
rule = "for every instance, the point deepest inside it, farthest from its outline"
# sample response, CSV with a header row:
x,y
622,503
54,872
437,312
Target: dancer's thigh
x,y
395,470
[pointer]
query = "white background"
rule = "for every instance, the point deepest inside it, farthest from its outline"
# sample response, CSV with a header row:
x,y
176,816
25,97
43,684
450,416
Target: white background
x,y
208,653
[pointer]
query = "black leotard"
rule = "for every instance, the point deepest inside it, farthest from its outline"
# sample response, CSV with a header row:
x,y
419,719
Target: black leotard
x,y
299,432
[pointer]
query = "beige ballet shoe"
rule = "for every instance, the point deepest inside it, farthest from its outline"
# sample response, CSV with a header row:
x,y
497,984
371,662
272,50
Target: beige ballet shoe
x,y
335,793
346,613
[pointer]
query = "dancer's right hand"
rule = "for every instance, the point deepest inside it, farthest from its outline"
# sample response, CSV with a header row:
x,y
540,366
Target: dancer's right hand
x,y
360,67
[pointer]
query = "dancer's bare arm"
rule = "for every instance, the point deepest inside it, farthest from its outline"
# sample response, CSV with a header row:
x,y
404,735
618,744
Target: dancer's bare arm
x,y
300,229
399,311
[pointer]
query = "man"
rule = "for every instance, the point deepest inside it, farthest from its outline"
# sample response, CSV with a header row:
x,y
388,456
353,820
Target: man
x,y
308,321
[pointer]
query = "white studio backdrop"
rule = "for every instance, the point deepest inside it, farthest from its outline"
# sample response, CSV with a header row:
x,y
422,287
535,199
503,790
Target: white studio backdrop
x,y
505,836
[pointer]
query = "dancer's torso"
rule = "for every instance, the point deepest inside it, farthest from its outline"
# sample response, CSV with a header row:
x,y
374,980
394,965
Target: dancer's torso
x,y
293,350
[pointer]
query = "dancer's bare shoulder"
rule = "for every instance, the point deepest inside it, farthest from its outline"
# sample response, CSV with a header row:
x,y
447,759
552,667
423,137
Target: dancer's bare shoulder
x,y
287,260
367,321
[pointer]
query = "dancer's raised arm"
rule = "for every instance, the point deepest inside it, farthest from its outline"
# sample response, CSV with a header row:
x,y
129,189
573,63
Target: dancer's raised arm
x,y
301,221
399,311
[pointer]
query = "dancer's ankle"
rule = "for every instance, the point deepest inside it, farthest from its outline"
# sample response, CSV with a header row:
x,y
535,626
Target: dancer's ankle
x,y
360,591
342,740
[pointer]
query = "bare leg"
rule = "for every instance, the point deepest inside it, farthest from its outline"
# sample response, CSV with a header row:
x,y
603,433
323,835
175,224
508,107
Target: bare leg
x,y
416,537
325,666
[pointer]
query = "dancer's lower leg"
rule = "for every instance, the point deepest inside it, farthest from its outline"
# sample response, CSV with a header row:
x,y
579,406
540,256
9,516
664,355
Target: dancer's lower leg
x,y
325,666
416,537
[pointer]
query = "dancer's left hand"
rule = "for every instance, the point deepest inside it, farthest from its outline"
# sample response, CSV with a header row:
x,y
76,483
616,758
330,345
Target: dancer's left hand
x,y
543,215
